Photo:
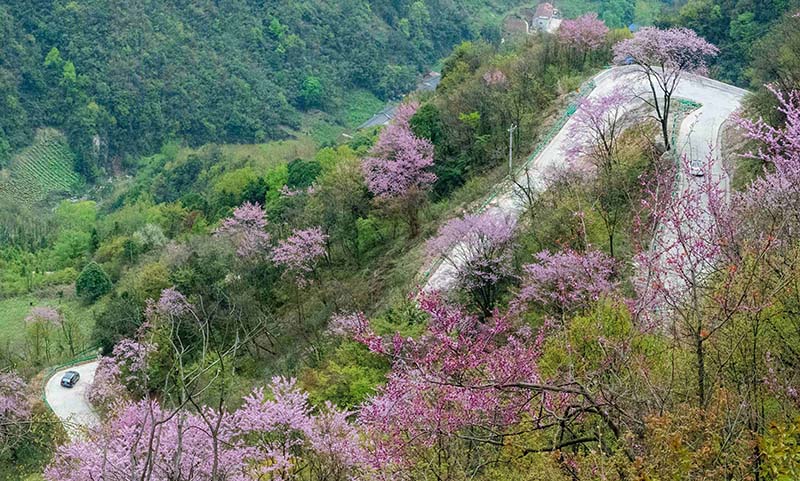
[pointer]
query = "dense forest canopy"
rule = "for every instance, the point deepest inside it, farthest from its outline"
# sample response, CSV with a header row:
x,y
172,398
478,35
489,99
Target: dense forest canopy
x,y
138,73
739,28
121,78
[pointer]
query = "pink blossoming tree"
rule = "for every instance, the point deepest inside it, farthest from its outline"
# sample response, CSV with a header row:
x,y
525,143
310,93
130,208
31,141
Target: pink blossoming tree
x,y
300,253
691,278
121,376
597,124
777,192
596,128
246,229
277,437
768,213
479,248
466,387
107,390
663,56
584,34
171,303
562,283
397,171
15,411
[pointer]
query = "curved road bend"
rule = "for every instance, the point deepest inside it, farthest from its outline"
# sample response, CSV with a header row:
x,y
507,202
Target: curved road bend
x,y
71,404
697,136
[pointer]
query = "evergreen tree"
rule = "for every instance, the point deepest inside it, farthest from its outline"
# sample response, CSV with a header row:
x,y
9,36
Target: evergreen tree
x,y
92,282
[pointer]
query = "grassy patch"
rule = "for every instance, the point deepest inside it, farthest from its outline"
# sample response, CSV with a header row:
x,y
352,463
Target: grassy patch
x,y
359,107
320,127
12,316
746,171
258,156
13,328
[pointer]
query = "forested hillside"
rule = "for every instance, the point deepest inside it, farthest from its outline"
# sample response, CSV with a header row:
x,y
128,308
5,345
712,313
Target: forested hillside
x,y
563,264
136,74
747,32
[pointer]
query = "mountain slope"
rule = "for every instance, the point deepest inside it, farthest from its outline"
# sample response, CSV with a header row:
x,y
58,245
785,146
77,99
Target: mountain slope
x,y
138,73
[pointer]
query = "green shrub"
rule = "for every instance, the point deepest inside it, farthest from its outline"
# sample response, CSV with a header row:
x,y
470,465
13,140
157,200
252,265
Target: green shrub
x,y
302,173
92,282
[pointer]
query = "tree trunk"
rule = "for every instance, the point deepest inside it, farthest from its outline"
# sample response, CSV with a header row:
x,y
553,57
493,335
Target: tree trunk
x,y
611,241
665,132
701,369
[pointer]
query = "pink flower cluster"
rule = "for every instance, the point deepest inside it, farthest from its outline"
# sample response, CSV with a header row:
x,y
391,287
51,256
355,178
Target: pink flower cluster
x,y
132,356
399,162
674,49
458,378
478,245
300,252
495,77
355,326
584,33
565,281
119,375
267,438
171,303
44,314
246,228
106,390
596,127
14,407
777,192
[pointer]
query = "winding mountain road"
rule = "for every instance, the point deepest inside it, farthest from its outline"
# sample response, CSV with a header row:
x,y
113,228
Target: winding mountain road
x,y
71,404
697,138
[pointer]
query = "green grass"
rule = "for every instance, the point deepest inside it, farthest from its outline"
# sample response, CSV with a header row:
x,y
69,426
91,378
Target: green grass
x,y
261,157
358,108
321,129
12,317
13,312
35,477
40,170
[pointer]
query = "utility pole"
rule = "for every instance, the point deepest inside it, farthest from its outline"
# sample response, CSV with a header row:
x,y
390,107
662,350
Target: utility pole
x,y
511,149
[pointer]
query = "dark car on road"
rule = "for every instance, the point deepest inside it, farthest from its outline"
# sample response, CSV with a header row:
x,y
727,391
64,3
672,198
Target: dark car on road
x,y
70,378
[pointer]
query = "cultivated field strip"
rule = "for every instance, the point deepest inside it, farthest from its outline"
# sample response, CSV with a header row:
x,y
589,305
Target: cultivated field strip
x,y
43,169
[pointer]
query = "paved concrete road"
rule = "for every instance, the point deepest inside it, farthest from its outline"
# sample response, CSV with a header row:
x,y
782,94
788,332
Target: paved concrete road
x,y
70,404
698,134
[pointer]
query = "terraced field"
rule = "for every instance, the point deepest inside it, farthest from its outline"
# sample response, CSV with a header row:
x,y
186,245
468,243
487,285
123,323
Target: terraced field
x,y
43,169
